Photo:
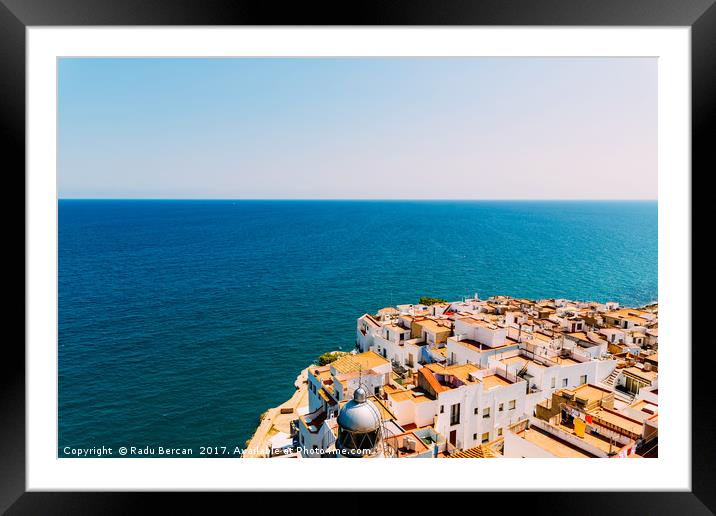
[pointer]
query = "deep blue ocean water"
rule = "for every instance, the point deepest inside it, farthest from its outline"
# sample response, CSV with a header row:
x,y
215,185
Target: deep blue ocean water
x,y
180,322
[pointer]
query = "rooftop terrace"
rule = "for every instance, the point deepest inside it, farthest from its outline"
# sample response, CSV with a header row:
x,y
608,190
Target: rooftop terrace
x,y
553,445
358,362
493,380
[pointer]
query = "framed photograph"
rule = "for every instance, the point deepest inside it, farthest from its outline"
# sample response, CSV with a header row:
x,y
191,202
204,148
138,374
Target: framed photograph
x,y
259,239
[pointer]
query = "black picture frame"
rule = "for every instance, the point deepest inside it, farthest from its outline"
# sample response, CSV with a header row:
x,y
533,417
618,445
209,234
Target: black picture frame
x,y
17,15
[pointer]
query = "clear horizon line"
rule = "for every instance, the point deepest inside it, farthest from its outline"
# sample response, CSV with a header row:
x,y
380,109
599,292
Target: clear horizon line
x,y
347,199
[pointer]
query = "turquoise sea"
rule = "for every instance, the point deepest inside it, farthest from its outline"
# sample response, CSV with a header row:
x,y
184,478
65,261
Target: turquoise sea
x,y
180,322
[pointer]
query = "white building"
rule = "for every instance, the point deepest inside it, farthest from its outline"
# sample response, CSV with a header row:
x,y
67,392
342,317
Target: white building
x,y
329,386
465,404
481,331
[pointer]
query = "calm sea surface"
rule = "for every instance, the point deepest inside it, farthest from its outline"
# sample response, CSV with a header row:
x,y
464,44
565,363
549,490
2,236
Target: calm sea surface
x,y
180,322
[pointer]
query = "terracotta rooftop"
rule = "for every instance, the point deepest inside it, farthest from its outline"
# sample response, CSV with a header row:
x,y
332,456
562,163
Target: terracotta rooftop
x,y
399,395
552,444
621,422
322,373
433,325
459,371
432,380
646,375
476,346
359,362
588,392
478,452
492,381
520,361
478,322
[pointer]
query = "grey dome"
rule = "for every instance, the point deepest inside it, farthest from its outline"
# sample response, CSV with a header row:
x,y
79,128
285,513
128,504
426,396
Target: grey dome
x,y
359,415
359,395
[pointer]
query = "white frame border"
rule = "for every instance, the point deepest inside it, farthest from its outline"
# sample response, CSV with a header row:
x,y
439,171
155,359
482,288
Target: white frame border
x,y
672,470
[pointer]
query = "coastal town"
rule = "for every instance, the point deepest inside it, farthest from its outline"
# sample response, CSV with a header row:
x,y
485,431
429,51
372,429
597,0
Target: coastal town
x,y
501,377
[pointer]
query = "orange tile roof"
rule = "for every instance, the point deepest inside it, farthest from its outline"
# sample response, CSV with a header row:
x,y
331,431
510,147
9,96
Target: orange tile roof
x,y
359,362
478,452
618,420
459,371
493,380
432,381
407,395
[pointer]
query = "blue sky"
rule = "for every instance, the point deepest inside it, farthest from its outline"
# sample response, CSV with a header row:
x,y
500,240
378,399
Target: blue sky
x,y
379,128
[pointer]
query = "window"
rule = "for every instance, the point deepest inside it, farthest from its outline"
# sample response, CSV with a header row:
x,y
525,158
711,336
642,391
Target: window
x,y
499,432
455,414
564,382
485,437
474,437
583,379
554,382
501,407
476,410
512,404
442,409
486,412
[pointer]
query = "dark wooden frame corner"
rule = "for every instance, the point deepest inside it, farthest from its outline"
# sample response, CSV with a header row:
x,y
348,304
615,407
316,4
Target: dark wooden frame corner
x,y
17,15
